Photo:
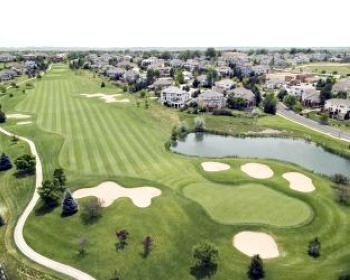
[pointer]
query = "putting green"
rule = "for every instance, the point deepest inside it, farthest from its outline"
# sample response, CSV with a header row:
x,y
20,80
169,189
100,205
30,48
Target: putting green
x,y
249,204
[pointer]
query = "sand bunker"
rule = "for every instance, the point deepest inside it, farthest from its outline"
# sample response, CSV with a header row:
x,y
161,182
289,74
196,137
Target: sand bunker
x,y
256,243
17,116
108,98
299,182
257,170
22,123
212,166
108,192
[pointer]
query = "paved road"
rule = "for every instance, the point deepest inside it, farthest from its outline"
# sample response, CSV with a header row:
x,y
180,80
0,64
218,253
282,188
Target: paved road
x,y
18,233
331,131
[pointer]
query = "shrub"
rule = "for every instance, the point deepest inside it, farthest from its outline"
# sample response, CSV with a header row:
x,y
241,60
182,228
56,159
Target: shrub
x,y
324,119
91,211
122,237
25,164
2,222
69,205
205,257
314,248
5,163
222,112
199,124
256,268
103,84
2,117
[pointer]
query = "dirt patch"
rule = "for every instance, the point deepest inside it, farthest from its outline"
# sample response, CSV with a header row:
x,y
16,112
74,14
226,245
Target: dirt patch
x,y
108,192
299,182
257,170
253,243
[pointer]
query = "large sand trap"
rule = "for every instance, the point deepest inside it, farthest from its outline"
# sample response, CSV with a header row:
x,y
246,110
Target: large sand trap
x,y
108,98
212,166
299,182
22,123
18,116
253,243
257,170
107,192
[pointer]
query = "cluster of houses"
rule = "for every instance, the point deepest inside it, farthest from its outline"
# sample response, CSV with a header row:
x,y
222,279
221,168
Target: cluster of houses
x,y
24,64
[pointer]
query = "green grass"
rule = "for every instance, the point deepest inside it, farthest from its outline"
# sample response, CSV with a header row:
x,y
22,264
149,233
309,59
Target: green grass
x,y
94,142
249,204
14,195
327,67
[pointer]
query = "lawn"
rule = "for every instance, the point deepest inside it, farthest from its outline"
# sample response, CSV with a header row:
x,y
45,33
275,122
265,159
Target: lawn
x,y
327,68
230,204
95,142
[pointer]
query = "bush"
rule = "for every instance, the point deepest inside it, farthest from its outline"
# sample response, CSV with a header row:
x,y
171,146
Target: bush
x,y
122,237
270,103
324,119
103,84
222,112
297,107
2,222
2,117
5,163
91,211
25,164
256,268
314,248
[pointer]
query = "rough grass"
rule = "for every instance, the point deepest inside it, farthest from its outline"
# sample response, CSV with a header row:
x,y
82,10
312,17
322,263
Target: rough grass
x,y
94,142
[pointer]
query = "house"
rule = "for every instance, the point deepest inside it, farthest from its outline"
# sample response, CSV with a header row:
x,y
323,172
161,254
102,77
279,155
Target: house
x,y
224,85
164,71
174,96
203,81
5,57
342,86
338,108
7,74
161,83
115,73
130,76
224,71
298,90
311,97
245,94
211,99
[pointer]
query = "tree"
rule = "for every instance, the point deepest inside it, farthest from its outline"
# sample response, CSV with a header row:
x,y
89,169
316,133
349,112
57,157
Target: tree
x,y
2,221
205,257
2,117
256,268
314,248
179,77
324,119
103,84
340,179
122,237
210,52
91,211
344,277
212,75
281,94
82,242
5,163
290,101
195,83
49,193
237,103
59,177
147,246
199,125
69,205
25,164
270,104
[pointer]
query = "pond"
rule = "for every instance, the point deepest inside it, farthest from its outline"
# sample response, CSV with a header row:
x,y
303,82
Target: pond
x,y
300,152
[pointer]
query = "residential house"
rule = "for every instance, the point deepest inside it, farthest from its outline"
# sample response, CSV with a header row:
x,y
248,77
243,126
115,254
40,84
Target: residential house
x,y
7,74
130,76
224,85
342,86
174,96
5,57
224,71
162,83
245,94
211,99
311,97
338,108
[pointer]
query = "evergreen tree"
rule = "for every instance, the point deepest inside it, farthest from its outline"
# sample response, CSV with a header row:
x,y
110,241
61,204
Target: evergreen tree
x,y
2,221
69,205
147,245
314,248
2,117
5,163
256,268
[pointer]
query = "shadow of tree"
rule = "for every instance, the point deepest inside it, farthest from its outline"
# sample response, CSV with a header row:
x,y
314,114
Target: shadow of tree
x,y
203,271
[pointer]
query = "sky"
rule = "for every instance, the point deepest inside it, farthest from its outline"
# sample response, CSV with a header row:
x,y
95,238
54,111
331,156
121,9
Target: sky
x,y
176,23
